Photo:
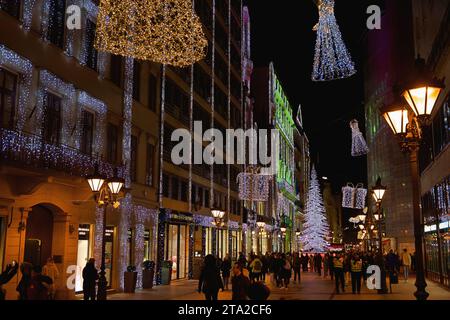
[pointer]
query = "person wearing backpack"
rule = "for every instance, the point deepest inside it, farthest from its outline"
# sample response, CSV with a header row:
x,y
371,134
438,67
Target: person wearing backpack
x,y
256,266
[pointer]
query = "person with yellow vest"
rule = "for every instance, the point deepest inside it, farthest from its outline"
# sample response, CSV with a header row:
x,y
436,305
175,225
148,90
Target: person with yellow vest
x,y
356,268
338,267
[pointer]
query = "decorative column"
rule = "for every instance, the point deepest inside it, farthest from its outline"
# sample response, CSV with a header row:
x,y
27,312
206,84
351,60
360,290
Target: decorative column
x,y
203,241
191,251
161,242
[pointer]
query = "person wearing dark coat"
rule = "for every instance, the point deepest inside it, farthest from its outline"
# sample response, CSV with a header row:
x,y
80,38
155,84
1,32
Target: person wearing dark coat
x,y
318,263
226,269
5,276
24,283
240,284
304,261
296,266
39,288
210,281
90,276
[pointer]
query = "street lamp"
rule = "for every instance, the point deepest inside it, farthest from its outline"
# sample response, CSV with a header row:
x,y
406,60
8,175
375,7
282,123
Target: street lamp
x,y
104,194
421,96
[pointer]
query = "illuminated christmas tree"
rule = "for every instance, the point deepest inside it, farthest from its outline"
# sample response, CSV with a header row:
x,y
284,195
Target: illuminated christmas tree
x,y
315,228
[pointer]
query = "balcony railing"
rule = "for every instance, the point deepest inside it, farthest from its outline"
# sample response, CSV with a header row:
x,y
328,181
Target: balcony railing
x,y
31,151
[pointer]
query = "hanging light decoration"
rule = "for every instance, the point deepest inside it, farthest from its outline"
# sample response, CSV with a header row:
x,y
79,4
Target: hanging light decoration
x,y
331,60
163,31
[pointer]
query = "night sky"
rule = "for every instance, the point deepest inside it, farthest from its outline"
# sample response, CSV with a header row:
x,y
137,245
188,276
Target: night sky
x,y
282,32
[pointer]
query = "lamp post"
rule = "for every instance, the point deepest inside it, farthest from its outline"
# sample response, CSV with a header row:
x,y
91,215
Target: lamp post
x,y
106,191
218,223
406,120
261,225
378,192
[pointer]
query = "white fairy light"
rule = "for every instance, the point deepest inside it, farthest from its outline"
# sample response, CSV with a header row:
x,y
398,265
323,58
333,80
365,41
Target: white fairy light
x,y
331,60
27,13
316,228
359,145
98,236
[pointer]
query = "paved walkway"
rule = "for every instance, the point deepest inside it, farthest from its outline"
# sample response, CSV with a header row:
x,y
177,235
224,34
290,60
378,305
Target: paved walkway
x,y
312,287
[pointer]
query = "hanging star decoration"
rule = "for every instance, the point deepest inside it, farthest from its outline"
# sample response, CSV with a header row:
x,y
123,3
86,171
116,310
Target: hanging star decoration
x,y
164,31
331,60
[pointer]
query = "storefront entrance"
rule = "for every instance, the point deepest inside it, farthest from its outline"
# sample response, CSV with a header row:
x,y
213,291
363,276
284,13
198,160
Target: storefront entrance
x,y
39,236
177,249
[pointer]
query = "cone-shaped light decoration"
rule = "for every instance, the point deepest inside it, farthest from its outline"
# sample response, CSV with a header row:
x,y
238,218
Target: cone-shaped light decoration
x,y
164,31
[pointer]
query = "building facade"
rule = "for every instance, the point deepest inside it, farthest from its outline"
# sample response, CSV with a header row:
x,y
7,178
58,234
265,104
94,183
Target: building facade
x,y
422,29
276,113
209,93
64,108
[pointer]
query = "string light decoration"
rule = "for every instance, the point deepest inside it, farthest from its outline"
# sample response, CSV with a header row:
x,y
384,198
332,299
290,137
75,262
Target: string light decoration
x,y
27,14
98,236
166,31
360,196
253,187
331,60
316,228
13,61
354,197
359,145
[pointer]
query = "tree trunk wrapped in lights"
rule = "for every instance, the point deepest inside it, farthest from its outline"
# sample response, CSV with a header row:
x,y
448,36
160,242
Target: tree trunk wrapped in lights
x,y
316,228
163,31
332,59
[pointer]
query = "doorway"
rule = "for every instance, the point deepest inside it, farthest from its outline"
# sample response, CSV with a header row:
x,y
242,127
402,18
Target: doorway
x,y
39,236
178,249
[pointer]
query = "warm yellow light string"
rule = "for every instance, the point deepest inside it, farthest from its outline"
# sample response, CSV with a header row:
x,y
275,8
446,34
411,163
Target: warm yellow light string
x,y
164,31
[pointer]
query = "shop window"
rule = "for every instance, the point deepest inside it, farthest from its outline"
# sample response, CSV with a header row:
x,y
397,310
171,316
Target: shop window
x,y
52,118
8,94
12,7
87,133
56,22
109,250
83,254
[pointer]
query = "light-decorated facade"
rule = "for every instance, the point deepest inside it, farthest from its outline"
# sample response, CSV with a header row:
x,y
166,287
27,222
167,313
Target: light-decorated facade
x,y
275,112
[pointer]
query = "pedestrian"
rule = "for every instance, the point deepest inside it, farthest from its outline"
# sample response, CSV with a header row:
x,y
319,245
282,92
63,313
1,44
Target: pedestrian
x,y
279,270
265,266
242,260
90,276
347,276
296,266
226,269
326,257
338,266
305,262
256,266
210,281
406,263
22,288
356,267
51,270
286,272
330,266
311,263
318,263
240,284
40,284
5,276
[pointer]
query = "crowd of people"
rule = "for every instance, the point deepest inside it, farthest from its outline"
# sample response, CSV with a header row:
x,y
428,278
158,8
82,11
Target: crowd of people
x,y
36,282
249,277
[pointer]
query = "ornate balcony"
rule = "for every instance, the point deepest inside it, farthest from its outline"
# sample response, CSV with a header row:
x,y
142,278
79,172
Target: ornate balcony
x,y
31,151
